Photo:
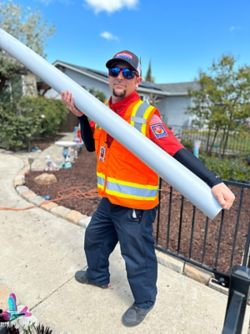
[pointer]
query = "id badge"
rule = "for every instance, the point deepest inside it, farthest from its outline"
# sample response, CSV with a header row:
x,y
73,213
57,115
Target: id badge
x,y
102,153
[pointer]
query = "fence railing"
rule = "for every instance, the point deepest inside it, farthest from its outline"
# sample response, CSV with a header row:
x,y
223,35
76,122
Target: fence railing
x,y
218,245
238,143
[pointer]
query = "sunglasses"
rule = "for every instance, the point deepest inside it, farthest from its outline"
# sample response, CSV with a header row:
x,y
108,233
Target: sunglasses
x,y
126,72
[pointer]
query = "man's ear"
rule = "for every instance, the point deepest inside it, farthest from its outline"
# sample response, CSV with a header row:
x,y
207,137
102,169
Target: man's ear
x,y
139,80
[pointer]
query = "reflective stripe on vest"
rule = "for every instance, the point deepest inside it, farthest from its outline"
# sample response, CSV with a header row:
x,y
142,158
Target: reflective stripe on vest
x,y
127,189
139,116
100,180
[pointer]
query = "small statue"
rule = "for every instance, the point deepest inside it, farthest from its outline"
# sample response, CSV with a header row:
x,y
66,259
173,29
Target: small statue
x,y
50,165
67,162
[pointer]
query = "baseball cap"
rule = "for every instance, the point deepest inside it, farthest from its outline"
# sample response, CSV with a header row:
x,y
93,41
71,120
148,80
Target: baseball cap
x,y
126,57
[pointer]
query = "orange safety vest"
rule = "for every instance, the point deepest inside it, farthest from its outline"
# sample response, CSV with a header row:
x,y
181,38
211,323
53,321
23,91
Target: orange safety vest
x,y
122,177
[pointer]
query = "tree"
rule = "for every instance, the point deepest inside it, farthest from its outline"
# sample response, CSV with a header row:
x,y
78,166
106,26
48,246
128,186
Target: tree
x,y
223,101
20,117
149,76
98,94
27,26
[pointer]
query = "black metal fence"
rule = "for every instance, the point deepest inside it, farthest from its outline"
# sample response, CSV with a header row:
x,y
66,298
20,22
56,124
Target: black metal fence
x,y
185,232
237,144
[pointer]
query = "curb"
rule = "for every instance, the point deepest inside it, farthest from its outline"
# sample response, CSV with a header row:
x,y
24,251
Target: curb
x,y
75,217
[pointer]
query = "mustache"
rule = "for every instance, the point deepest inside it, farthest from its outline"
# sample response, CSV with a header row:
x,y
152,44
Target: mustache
x,y
118,81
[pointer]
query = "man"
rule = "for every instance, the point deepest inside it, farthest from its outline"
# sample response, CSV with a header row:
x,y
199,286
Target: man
x,y
129,189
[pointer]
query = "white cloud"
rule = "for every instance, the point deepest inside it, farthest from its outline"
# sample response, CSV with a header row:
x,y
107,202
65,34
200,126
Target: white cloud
x,y
109,36
111,6
234,28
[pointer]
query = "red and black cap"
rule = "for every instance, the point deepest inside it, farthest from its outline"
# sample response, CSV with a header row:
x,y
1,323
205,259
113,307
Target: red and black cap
x,y
126,57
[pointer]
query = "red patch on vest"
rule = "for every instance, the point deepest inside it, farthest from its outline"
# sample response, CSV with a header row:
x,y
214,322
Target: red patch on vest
x,y
159,131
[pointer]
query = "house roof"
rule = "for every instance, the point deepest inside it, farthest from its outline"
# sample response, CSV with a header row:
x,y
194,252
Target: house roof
x,y
175,89
181,88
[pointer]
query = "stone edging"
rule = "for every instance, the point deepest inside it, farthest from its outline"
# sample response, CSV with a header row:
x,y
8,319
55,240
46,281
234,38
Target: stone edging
x,y
73,216
77,218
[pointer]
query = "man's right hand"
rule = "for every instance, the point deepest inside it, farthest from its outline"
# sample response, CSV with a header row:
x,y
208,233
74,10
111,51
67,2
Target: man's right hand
x,y
69,103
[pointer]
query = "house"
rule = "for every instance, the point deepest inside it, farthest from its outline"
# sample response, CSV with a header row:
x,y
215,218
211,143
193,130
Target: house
x,y
28,84
177,102
23,84
171,99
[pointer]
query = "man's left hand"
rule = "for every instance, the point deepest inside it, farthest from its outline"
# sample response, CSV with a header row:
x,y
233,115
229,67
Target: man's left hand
x,y
224,195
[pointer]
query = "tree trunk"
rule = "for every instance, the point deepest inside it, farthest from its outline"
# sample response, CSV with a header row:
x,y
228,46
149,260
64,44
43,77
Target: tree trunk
x,y
2,83
227,132
213,141
208,139
222,142
225,143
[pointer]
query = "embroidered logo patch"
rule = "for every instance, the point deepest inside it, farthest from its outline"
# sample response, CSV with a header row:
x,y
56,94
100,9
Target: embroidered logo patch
x,y
124,55
159,131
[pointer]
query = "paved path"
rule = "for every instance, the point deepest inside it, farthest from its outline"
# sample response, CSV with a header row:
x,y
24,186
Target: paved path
x,y
40,253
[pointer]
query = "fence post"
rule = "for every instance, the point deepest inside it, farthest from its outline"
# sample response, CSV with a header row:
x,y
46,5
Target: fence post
x,y
237,300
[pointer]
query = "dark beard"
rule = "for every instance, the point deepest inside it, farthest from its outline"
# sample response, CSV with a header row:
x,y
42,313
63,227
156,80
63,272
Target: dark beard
x,y
122,94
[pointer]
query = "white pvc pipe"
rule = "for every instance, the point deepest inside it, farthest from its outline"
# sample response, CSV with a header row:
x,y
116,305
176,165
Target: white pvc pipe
x,y
183,180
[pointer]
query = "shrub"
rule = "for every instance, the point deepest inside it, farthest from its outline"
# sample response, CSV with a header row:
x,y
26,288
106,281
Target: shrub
x,y
29,118
188,143
98,94
228,169
50,112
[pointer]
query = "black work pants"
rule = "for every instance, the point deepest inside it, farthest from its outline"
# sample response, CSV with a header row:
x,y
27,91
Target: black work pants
x,y
133,229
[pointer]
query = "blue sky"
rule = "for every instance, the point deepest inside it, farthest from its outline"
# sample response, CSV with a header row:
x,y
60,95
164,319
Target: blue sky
x,y
179,37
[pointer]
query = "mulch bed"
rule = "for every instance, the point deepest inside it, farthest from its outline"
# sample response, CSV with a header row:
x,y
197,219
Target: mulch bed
x,y
76,188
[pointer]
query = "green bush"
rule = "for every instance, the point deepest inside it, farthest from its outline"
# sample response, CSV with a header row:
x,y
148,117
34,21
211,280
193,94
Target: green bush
x,y
188,143
228,169
27,119
50,112
98,94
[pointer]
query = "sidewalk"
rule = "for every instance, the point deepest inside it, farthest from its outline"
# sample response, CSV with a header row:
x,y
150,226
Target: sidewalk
x,y
40,253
